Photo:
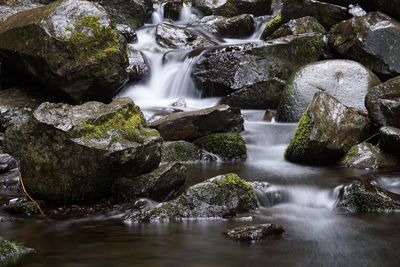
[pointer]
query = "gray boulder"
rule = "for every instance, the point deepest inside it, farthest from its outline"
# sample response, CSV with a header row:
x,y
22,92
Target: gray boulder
x,y
298,26
254,232
179,151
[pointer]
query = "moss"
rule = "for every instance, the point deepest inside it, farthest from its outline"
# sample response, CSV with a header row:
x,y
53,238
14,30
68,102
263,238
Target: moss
x,y
179,151
272,25
228,146
350,154
299,145
10,251
233,180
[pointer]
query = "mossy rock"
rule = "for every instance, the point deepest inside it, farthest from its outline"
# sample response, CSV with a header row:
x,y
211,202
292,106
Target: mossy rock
x,y
226,146
298,26
11,252
219,197
179,151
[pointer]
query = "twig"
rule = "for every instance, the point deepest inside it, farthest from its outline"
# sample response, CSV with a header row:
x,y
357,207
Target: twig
x,y
369,138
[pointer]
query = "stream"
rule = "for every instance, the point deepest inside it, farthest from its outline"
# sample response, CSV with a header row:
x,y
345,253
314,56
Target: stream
x,y
300,198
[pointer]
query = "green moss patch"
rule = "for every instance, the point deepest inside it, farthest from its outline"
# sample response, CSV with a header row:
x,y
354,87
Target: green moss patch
x,y
299,144
10,251
227,146
272,25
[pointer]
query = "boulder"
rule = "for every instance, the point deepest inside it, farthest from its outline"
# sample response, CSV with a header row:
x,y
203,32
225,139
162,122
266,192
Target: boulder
x,y
371,40
128,33
231,8
179,151
158,185
326,131
227,146
254,232
7,163
298,26
383,103
362,196
21,207
9,8
225,69
139,67
236,27
179,37
72,154
70,47
11,252
218,197
392,8
390,140
194,124
346,80
368,156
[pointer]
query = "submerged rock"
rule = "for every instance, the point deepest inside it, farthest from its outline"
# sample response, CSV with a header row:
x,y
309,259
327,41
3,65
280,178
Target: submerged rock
x,y
346,80
74,153
7,163
390,140
326,131
226,146
179,151
298,26
70,47
194,124
158,185
255,232
231,8
222,70
371,40
383,103
368,156
11,252
219,197
362,196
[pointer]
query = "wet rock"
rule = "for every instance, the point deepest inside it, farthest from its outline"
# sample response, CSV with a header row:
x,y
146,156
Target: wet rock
x,y
362,196
260,95
254,232
268,116
194,124
128,33
172,9
236,27
231,8
10,181
219,197
390,140
80,58
326,131
9,8
180,103
383,103
371,40
179,151
178,37
227,146
159,185
74,153
7,163
139,67
222,70
11,252
298,26
21,207
368,156
392,8
346,80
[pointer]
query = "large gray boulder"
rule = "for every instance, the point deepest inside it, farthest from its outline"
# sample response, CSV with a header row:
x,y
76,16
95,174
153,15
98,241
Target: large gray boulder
x,y
346,80
70,47
326,131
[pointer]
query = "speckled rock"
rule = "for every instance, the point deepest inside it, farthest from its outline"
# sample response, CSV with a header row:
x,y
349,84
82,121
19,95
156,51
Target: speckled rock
x,y
254,232
298,26
179,151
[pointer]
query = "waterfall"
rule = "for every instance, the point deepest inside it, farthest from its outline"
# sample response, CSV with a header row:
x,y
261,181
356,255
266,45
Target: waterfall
x,y
157,16
186,13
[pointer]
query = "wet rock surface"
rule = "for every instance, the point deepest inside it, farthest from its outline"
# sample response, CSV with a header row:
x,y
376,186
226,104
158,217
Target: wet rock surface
x,y
347,81
179,151
298,26
390,140
7,163
254,232
230,8
139,67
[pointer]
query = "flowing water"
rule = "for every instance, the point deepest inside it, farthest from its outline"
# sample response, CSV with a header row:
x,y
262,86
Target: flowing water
x,y
300,198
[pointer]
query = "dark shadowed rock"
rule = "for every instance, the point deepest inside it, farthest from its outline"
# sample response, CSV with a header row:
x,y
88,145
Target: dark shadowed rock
x,y
222,70
179,151
74,153
11,252
194,124
231,8
390,140
346,80
326,131
254,232
70,47
392,8
371,40
219,197
383,103
7,163
368,156
298,26
362,196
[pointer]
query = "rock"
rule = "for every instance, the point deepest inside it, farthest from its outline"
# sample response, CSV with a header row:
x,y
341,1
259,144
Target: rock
x,y
392,8
11,252
390,140
139,67
383,103
80,58
219,197
346,80
368,156
225,69
128,33
227,146
268,115
260,95
180,103
326,131
179,37
194,124
231,8
9,8
371,40
72,154
7,163
298,26
21,207
10,181
172,9
179,151
158,185
362,196
254,232
236,27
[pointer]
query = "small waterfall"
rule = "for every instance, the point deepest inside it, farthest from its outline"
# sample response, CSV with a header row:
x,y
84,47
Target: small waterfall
x,y
186,13
157,16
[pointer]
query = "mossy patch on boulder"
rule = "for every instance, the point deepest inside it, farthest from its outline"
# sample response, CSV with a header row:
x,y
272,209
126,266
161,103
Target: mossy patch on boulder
x,y
179,151
11,252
